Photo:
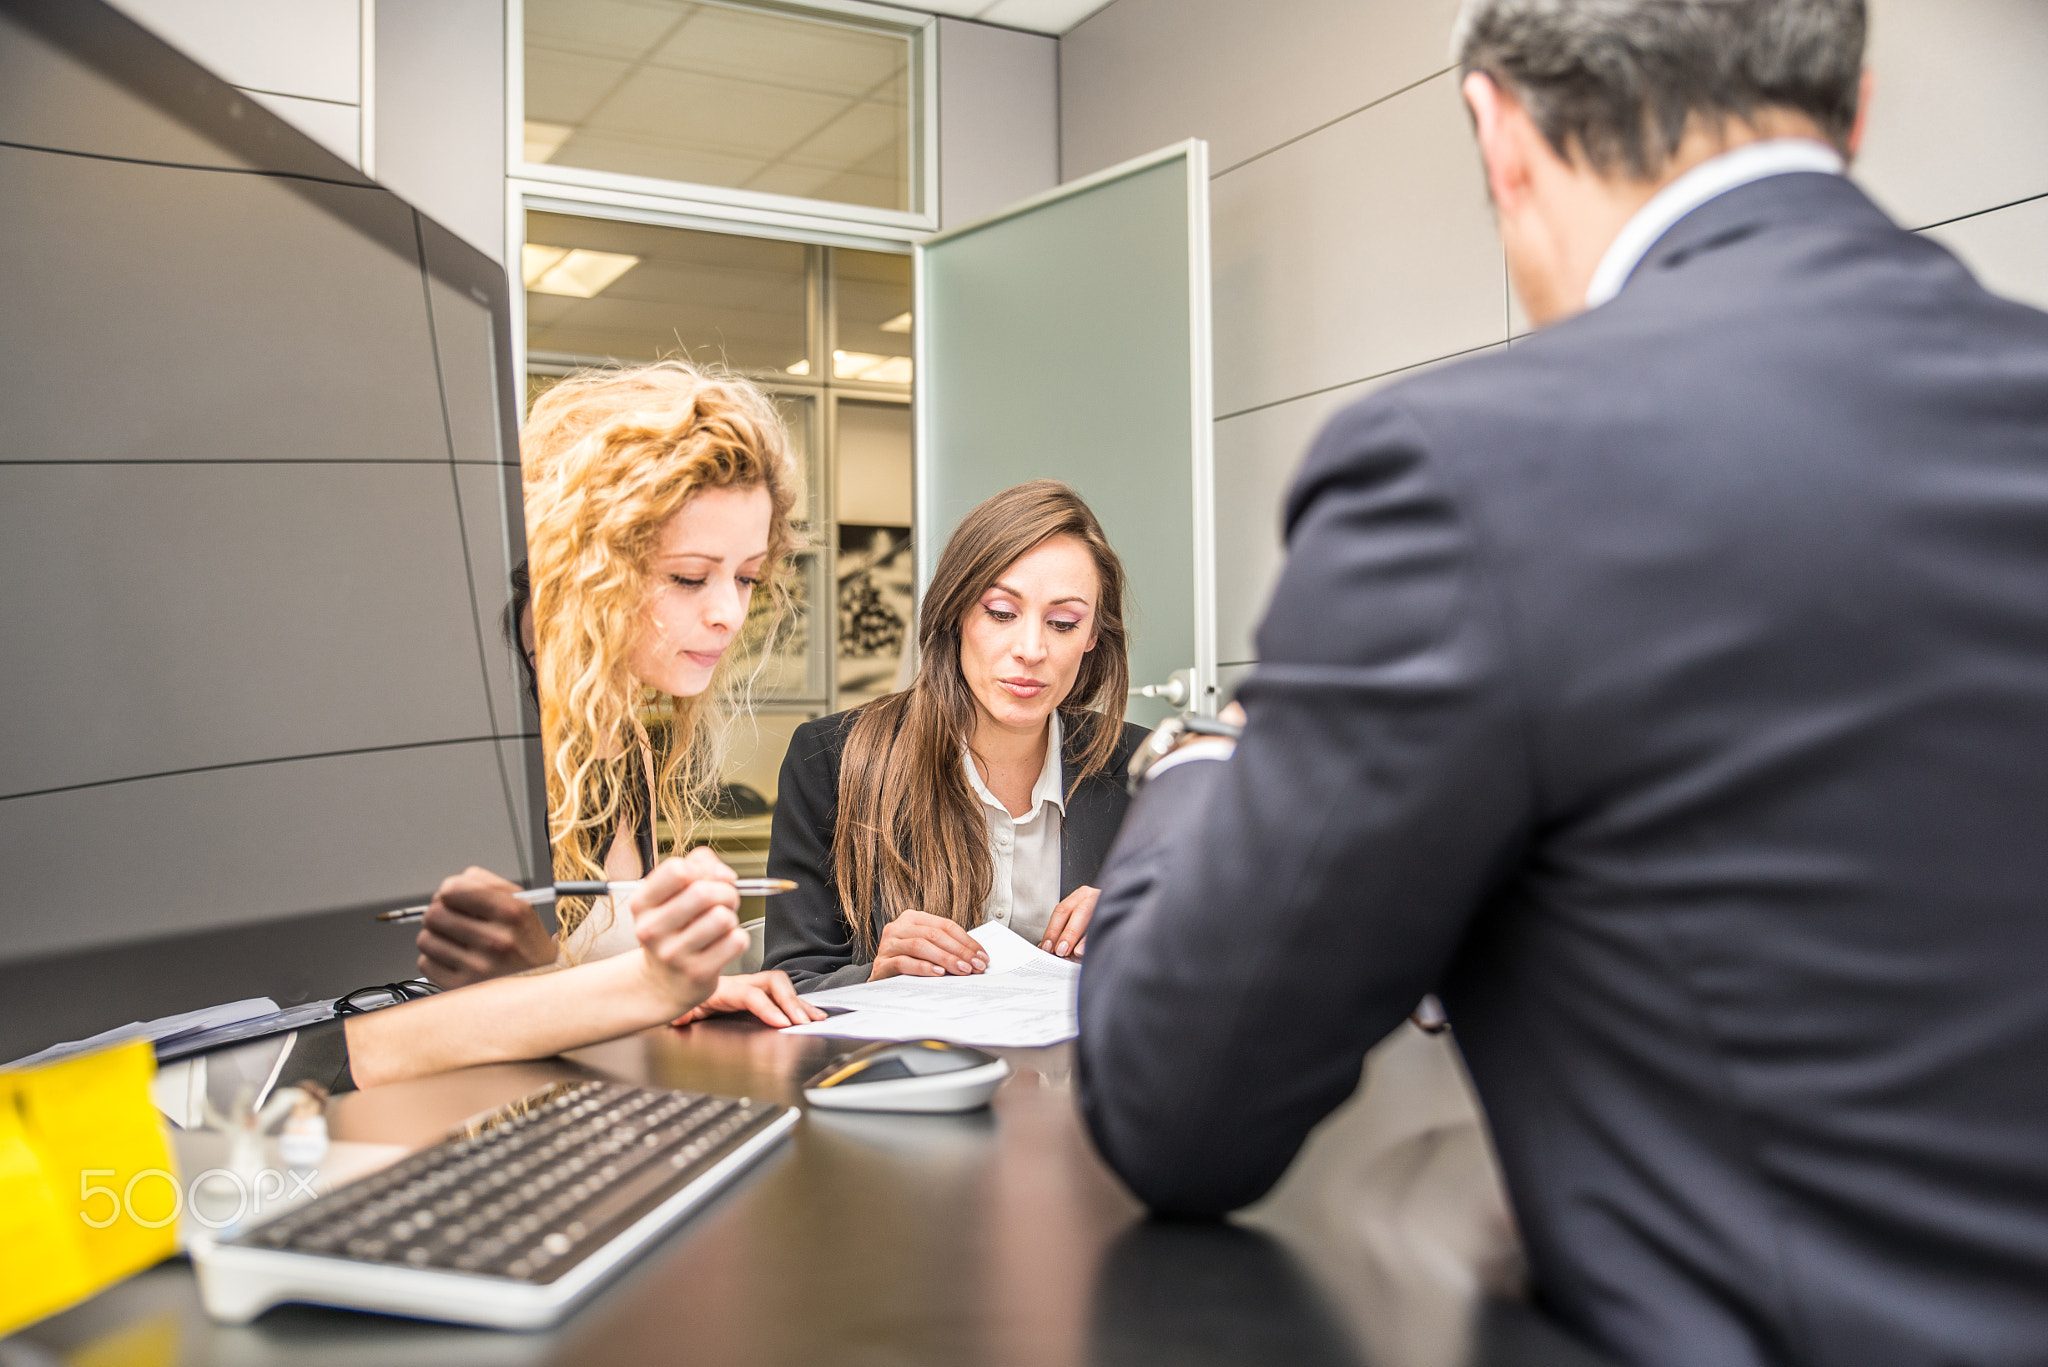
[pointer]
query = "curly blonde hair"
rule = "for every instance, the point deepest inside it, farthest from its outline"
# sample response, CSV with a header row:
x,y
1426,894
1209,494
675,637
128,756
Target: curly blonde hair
x,y
609,457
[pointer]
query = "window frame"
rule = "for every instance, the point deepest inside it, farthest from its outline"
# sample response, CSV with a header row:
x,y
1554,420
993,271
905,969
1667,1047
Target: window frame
x,y
748,206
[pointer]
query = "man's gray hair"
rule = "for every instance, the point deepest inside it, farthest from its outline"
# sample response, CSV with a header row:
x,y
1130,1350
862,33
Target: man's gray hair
x,y
1619,81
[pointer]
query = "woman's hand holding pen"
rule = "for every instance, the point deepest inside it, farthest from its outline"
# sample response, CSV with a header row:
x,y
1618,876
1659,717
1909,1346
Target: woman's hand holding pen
x,y
477,928
686,916
1066,933
917,944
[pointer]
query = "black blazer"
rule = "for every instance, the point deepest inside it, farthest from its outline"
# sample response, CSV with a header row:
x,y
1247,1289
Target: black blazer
x,y
1670,692
807,935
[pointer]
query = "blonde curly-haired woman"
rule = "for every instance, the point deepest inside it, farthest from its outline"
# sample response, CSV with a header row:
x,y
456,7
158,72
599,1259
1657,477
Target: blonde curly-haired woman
x,y
658,503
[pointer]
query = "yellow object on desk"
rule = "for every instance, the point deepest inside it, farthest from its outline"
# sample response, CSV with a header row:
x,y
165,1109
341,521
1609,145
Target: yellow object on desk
x,y
88,1189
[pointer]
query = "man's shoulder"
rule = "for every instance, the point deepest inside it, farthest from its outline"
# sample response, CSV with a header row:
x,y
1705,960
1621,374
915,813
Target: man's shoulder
x,y
1496,394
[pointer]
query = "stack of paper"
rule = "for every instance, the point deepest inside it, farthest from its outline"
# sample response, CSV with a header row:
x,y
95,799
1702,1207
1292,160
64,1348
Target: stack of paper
x,y
1025,999
162,1031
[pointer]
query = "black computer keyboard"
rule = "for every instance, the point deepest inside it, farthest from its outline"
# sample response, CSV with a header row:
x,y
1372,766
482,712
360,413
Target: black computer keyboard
x,y
508,1222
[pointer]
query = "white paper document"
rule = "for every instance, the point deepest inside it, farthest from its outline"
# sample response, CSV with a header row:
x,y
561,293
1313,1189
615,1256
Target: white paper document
x,y
1025,999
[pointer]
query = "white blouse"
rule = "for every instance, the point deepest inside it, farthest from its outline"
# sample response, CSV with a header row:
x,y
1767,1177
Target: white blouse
x,y
1026,849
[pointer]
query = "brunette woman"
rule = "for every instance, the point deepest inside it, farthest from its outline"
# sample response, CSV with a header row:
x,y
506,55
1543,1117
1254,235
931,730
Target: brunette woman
x,y
991,788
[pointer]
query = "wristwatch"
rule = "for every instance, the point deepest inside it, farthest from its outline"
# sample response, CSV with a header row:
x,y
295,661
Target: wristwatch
x,y
1170,736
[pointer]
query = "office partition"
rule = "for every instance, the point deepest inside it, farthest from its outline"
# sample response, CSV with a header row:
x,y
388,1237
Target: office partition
x,y
1068,338
259,505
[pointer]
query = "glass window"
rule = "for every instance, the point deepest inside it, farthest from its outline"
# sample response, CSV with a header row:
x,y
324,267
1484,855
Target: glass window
x,y
877,569
598,290
792,662
871,296
723,95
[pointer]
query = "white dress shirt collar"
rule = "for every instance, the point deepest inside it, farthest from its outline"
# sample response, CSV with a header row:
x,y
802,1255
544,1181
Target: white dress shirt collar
x,y
1709,180
1047,789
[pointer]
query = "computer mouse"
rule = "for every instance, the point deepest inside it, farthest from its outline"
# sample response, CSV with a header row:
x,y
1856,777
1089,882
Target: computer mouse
x,y
926,1075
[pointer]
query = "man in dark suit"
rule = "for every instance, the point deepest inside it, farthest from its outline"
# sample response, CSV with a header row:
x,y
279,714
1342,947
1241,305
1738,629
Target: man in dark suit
x,y
1669,693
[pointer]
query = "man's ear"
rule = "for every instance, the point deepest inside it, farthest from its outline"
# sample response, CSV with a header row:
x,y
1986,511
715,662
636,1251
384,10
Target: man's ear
x,y
1866,88
1507,166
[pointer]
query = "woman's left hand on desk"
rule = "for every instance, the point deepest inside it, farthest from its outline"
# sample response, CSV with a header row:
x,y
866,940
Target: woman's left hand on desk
x,y
770,995
1066,934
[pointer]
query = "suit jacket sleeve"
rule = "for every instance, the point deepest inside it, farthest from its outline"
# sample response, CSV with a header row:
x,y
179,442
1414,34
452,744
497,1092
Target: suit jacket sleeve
x,y
1379,792
807,935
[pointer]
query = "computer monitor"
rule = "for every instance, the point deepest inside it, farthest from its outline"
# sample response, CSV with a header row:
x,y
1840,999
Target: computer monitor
x,y
259,504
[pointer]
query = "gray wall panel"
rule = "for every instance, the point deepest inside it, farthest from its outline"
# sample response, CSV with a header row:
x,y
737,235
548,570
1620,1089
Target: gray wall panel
x,y
999,118
208,307
287,47
520,768
490,503
1247,77
1360,249
1257,457
49,100
200,564
439,82
132,860
337,127
1959,123
469,380
2007,248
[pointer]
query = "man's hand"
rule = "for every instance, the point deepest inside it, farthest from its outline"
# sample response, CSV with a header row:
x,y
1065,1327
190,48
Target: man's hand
x,y
475,928
686,916
1066,934
923,946
770,995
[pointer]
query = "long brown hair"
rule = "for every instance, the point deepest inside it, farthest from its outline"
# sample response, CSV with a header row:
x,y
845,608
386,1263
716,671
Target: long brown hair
x,y
911,832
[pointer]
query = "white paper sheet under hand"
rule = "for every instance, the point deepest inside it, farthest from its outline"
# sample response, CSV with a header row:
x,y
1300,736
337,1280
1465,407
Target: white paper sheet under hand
x,y
1024,1000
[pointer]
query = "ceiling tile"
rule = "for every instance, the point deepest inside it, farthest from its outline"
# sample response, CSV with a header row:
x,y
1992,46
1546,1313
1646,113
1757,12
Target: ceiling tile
x,y
1037,16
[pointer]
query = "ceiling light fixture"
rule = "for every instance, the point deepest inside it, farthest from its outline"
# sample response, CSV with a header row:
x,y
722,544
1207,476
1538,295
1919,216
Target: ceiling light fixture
x,y
865,365
576,272
543,140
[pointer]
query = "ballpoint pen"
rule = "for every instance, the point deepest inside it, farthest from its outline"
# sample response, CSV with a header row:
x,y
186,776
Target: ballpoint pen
x,y
748,887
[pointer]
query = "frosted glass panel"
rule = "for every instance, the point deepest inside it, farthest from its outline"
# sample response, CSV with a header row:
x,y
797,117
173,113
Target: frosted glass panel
x,y
1060,342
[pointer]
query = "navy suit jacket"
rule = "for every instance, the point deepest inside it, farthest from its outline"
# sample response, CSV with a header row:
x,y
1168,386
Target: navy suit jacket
x,y
1670,693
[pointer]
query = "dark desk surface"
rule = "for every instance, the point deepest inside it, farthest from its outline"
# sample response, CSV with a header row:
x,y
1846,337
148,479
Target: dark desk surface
x,y
996,1237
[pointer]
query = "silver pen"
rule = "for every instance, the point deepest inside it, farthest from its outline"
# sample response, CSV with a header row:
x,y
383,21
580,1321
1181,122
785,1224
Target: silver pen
x,y
748,887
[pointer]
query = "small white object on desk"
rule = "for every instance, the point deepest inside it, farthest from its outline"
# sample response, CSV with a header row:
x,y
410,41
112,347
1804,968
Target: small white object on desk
x,y
927,1076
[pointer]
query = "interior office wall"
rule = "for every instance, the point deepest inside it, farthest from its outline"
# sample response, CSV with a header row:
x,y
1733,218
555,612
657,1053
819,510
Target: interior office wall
x,y
998,118
439,79
1352,241
1958,139
302,58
